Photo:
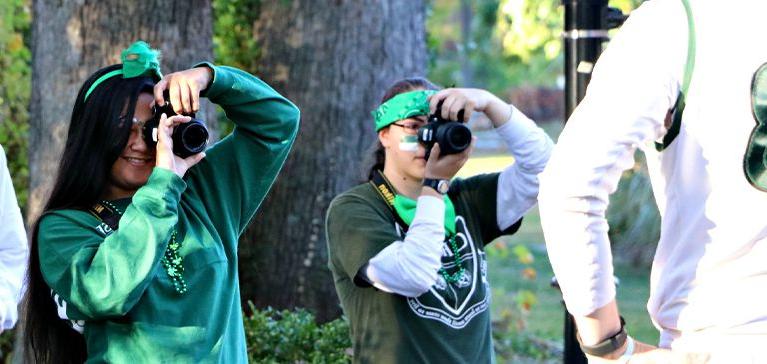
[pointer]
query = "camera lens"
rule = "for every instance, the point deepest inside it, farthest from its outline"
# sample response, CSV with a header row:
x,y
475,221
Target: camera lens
x,y
194,137
455,138
459,137
190,138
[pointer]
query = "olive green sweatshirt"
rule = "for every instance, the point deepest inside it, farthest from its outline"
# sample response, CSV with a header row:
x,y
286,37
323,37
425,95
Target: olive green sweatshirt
x,y
114,282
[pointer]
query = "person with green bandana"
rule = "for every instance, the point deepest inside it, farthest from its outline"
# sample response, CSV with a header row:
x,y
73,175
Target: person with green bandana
x,y
153,280
407,249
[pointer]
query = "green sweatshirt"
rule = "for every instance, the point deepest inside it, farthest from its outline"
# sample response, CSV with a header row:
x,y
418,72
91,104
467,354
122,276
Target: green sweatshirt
x,y
114,281
448,324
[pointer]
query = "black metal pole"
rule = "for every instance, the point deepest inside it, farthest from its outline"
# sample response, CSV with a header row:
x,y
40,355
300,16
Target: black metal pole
x,y
585,31
586,25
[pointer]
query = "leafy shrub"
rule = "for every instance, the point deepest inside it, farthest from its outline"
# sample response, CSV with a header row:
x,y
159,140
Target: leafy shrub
x,y
295,337
514,343
513,340
633,217
15,78
6,346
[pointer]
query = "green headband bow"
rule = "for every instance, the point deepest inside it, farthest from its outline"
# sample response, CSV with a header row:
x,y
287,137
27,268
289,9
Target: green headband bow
x,y
402,106
137,60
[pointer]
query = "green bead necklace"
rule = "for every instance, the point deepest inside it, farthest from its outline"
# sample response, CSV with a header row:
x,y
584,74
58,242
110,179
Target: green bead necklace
x,y
171,260
456,276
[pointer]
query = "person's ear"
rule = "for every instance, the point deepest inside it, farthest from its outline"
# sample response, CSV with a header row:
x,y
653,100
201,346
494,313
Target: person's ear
x,y
384,136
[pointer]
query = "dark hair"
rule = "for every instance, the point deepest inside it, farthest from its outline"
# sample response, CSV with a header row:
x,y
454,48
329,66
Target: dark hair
x,y
377,154
98,132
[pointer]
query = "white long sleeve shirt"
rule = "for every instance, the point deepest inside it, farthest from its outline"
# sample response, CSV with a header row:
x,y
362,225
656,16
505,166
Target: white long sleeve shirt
x,y
710,267
409,267
13,248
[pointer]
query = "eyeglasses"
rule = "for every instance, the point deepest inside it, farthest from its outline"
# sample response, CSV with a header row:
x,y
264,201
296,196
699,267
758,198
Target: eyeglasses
x,y
410,128
138,122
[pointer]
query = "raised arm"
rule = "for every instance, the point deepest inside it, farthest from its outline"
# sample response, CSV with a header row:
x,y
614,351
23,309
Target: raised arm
x,y
518,183
238,171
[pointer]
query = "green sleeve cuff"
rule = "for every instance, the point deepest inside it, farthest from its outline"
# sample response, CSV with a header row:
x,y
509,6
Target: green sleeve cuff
x,y
222,80
165,184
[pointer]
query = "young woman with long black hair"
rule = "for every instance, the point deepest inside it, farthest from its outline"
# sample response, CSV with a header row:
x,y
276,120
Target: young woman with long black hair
x,y
407,250
160,283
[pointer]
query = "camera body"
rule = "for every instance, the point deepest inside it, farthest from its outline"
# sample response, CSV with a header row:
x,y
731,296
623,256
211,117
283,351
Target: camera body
x,y
452,136
188,138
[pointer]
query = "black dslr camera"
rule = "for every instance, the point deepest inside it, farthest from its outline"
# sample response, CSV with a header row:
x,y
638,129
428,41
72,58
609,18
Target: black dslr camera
x,y
188,138
452,136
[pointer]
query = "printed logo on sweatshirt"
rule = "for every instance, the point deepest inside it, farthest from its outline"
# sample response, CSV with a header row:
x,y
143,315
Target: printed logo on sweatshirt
x,y
104,229
456,304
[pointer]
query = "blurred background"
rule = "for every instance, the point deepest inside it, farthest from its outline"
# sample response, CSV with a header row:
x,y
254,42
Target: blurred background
x,y
334,59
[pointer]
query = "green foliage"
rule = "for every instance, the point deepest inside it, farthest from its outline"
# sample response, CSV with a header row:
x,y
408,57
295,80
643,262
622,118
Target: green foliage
x,y
295,337
6,346
634,218
511,42
511,335
234,42
233,39
274,337
449,47
513,341
15,79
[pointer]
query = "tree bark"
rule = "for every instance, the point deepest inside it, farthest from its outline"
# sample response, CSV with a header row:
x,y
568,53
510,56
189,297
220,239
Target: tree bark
x,y
334,59
466,13
74,38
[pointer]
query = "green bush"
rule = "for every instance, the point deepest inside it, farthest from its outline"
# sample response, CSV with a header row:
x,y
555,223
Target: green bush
x,y
273,337
514,343
633,217
15,78
295,337
6,345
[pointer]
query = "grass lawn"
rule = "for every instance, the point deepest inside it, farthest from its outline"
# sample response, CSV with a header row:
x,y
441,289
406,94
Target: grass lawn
x,y
546,317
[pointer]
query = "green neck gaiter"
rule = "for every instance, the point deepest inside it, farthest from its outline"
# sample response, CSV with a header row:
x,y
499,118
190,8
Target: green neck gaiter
x,y
405,208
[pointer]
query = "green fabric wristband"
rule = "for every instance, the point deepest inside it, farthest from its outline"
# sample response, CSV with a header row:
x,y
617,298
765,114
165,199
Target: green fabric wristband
x,y
402,106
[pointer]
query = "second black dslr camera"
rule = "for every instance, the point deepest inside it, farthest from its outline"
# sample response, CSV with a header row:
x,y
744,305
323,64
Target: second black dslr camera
x,y
452,136
188,138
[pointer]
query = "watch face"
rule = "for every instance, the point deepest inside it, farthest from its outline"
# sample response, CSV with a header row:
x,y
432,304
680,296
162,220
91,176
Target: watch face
x,y
443,186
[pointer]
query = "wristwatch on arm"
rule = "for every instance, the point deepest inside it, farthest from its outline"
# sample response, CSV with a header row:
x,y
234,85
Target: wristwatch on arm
x,y
439,185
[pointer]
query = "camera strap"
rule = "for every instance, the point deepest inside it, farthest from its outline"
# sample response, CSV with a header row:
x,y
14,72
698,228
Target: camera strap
x,y
106,214
403,208
387,193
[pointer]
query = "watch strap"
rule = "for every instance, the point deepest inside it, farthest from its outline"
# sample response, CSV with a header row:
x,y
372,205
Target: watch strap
x,y
606,346
435,184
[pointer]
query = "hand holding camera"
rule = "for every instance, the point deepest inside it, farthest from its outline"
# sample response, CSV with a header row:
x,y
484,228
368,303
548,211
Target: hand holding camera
x,y
445,166
184,89
447,139
166,156
454,100
180,139
189,137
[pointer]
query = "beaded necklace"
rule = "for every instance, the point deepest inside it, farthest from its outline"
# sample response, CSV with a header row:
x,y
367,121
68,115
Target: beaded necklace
x,y
455,277
171,260
388,194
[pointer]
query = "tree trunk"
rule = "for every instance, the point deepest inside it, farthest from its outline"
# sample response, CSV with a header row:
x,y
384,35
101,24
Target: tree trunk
x,y
466,13
74,38
334,59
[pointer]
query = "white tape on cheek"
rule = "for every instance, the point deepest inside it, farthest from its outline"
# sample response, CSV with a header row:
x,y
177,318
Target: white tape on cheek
x,y
408,143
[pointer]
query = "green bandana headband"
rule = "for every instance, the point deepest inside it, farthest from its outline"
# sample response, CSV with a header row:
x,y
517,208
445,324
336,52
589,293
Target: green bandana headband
x,y
137,60
402,106
405,208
